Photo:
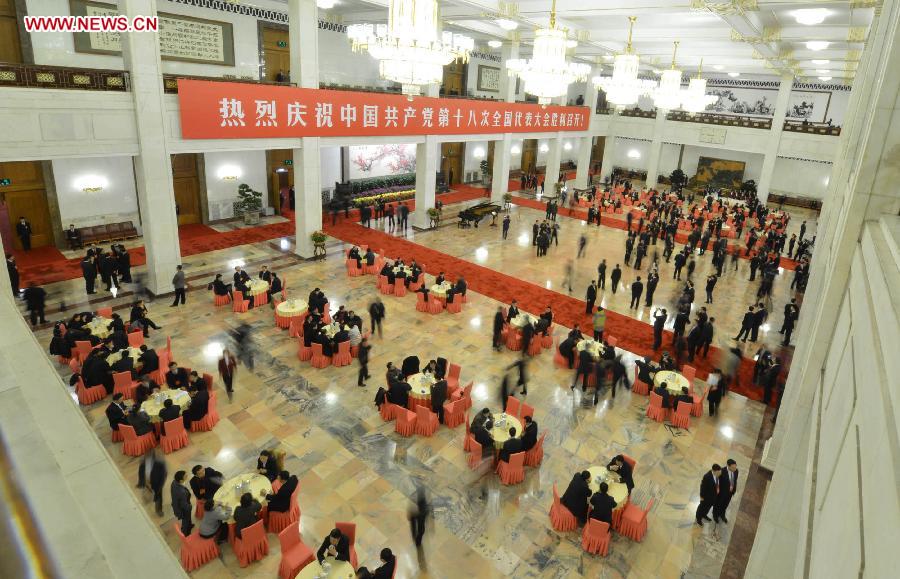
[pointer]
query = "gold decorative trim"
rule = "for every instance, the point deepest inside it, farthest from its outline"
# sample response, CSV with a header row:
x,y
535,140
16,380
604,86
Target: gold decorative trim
x,y
7,75
81,79
45,77
866,4
115,81
771,34
857,34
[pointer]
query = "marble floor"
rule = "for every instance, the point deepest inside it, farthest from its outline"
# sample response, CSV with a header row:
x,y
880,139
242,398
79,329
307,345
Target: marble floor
x,y
353,467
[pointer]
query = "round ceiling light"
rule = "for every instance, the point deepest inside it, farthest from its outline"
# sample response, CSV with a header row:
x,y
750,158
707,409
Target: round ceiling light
x,y
326,4
734,74
718,66
820,61
634,154
810,16
495,43
824,78
571,43
823,71
817,44
506,24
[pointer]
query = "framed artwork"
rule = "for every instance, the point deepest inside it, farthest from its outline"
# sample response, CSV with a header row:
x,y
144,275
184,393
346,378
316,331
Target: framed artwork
x,y
488,78
808,105
182,38
722,173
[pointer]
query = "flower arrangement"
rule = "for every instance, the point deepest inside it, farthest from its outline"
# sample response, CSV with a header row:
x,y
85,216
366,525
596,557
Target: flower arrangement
x,y
318,237
386,195
433,213
507,197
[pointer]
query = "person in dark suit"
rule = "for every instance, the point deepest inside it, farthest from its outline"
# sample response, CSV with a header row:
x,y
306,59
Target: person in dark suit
x,y
398,393
73,237
567,350
267,464
181,502
219,287
241,279
152,474
139,421
746,325
199,407
116,413
205,482
623,469
590,297
170,411
728,481
438,397
336,545
35,297
13,270
23,230
496,341
527,336
576,496
246,514
530,434
410,366
280,502
709,493
602,505
388,565
511,446
512,312
176,377
585,369
265,274
149,360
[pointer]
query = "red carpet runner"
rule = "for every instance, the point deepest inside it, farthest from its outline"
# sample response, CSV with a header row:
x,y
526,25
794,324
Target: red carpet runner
x,y
633,335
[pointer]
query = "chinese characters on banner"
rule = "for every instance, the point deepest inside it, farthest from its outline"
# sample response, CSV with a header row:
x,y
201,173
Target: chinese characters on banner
x,y
223,110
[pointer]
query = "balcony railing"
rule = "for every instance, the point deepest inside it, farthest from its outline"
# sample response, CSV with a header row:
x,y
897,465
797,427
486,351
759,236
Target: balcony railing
x,y
38,76
812,128
170,81
722,120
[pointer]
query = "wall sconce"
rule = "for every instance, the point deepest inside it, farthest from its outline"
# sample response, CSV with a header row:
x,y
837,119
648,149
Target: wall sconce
x,y
478,153
229,173
567,146
515,150
544,148
91,183
634,154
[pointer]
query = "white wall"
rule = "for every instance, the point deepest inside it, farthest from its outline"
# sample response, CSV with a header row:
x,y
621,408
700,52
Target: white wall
x,y
330,166
752,168
515,159
338,64
116,202
625,146
471,162
220,193
796,177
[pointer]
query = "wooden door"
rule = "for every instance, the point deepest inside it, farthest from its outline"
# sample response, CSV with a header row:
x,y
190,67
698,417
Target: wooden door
x,y
276,52
529,155
453,83
280,174
452,162
10,47
186,181
597,153
490,155
26,196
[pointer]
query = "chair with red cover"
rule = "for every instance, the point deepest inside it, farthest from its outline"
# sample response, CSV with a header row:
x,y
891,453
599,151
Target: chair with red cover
x,y
561,518
388,411
454,413
421,304
240,305
295,327
527,410
195,550
689,372
630,462
319,360
105,312
426,421
280,521
547,341
682,415
386,288
221,300
655,410
135,339
174,436
640,387
342,357
535,347
124,385
352,269
87,396
406,422
252,545
512,406
475,456
514,340
304,353
454,307
295,555
134,445
535,455
634,521
82,349
595,537
349,530
558,358
400,287
697,406
453,371
512,472
467,441
209,421
435,305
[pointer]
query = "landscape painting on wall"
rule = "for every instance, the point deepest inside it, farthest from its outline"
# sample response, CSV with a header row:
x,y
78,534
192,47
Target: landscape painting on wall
x,y
808,105
743,101
719,173
381,160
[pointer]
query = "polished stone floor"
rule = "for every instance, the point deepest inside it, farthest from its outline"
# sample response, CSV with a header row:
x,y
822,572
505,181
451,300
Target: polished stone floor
x,y
353,467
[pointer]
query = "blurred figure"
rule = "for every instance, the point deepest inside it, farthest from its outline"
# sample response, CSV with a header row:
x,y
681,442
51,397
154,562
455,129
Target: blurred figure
x,y
155,465
418,515
34,297
377,313
244,344
227,370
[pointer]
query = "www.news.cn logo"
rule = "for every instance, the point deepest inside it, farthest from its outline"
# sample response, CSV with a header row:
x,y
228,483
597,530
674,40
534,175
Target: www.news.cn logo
x,y
91,24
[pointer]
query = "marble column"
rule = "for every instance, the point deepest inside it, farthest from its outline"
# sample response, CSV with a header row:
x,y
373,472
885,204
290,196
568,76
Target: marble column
x,y
586,146
153,164
5,285
502,154
609,147
427,162
554,158
773,142
303,32
655,148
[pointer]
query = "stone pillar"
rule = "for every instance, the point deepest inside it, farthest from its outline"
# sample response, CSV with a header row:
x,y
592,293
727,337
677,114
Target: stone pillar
x,y
586,146
774,140
153,164
609,147
655,148
427,161
500,170
5,285
303,31
554,157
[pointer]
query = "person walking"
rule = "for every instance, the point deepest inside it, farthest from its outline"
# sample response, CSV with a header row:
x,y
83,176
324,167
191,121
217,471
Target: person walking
x,y
637,288
23,230
418,516
152,476
89,273
614,277
13,270
180,285
599,322
181,502
601,274
498,329
227,370
506,222
590,297
363,357
377,313
34,297
710,285
709,494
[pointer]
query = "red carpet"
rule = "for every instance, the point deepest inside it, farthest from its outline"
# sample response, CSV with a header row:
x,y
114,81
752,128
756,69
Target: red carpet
x,y
633,335
45,265
609,221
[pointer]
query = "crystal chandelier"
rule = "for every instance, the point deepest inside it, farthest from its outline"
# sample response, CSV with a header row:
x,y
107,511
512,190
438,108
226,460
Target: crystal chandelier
x,y
411,48
548,75
668,94
624,88
695,100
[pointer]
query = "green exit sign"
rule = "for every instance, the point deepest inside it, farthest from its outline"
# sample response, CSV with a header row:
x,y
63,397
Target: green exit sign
x,y
282,44
5,182
288,162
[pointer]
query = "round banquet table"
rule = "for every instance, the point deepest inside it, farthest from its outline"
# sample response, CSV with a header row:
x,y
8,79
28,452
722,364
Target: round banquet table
x,y
617,490
289,309
338,570
592,346
331,329
520,320
420,395
152,406
500,434
230,498
99,326
405,268
135,353
441,290
674,381
257,286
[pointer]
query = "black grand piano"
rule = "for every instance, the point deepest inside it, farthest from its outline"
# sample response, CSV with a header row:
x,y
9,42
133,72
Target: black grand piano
x,y
474,214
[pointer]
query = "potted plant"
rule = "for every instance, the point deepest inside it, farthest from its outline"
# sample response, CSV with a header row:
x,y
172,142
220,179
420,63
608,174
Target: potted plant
x,y
678,179
434,215
485,173
249,204
318,238
507,201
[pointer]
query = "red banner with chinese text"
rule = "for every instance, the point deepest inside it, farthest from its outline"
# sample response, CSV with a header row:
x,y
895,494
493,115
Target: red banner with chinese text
x,y
231,110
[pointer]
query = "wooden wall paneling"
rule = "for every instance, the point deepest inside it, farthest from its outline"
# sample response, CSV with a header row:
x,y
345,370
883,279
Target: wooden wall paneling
x,y
187,188
26,196
276,52
10,44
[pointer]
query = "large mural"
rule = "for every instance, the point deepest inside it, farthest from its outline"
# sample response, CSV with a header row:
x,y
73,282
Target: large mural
x,y
719,173
810,105
381,160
